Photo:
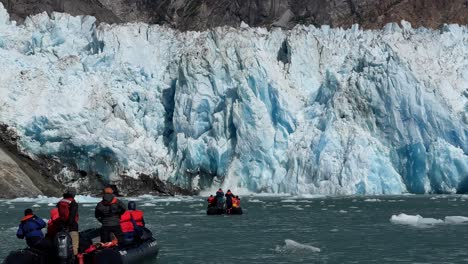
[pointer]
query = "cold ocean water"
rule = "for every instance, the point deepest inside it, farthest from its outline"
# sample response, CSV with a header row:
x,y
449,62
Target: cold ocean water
x,y
288,229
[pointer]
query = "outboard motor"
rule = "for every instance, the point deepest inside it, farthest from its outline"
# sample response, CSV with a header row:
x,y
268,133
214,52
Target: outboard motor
x,y
64,246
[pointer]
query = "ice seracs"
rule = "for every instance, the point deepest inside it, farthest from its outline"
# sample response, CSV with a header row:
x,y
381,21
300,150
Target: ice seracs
x,y
305,111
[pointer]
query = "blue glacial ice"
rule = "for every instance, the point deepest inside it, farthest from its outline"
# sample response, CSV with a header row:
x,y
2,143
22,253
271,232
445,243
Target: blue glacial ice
x,y
306,111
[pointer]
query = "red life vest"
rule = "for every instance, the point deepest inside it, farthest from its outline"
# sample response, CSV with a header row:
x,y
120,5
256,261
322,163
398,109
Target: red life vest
x,y
126,220
52,223
235,202
64,209
54,215
211,200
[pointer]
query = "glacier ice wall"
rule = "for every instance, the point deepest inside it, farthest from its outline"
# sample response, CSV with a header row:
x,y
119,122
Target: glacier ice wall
x,y
310,110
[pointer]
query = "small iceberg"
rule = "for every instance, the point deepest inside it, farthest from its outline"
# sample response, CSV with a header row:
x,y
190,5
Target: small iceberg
x,y
293,247
419,221
415,220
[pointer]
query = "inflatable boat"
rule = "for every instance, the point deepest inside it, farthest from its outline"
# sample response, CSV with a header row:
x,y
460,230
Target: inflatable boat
x,y
220,211
89,239
234,211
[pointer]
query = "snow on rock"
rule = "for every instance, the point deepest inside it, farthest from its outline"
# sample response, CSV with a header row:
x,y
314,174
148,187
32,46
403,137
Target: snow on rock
x,y
310,110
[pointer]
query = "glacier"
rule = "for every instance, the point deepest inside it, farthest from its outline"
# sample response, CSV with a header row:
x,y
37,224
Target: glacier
x,y
302,111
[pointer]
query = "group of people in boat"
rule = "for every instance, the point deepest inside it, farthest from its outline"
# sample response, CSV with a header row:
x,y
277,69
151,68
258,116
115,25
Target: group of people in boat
x,y
126,224
218,201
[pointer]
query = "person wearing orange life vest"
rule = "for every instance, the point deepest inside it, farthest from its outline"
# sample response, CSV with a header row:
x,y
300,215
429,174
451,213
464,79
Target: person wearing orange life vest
x,y
68,217
108,212
229,197
235,202
238,201
211,201
130,221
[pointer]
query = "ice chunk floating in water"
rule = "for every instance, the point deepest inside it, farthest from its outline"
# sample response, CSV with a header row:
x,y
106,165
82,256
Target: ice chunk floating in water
x,y
414,220
293,247
419,221
342,112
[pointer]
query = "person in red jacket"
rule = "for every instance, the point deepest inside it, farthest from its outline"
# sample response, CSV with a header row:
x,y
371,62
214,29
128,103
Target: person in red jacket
x,y
68,217
211,201
131,221
53,224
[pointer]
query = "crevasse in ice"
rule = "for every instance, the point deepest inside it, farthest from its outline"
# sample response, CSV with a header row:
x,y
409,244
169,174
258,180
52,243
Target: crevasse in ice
x,y
310,110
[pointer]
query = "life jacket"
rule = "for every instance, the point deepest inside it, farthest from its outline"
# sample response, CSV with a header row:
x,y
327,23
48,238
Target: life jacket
x,y
52,225
211,200
126,223
64,209
235,202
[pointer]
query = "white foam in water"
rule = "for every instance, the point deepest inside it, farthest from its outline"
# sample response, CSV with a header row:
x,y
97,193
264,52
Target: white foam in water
x,y
372,200
255,201
148,204
36,206
343,211
293,247
419,221
169,200
50,204
309,196
187,224
41,199
288,201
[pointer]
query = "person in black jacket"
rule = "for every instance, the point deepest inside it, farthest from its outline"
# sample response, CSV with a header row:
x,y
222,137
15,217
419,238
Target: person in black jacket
x,y
108,212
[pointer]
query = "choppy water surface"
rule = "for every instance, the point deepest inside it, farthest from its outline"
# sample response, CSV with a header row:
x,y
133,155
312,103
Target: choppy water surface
x,y
290,229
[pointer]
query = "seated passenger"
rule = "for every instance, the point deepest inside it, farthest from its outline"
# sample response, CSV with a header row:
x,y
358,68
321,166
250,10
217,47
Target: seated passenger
x,y
235,202
131,223
211,201
30,228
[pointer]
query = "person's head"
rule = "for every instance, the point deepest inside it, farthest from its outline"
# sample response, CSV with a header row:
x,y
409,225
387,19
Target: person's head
x,y
108,190
220,190
229,190
237,197
131,205
211,195
28,211
70,193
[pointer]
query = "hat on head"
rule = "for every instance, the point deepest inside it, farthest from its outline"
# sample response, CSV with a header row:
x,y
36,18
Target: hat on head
x,y
69,193
108,190
28,211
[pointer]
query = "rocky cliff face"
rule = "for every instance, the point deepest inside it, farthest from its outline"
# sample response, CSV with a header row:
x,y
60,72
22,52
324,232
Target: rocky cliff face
x,y
203,14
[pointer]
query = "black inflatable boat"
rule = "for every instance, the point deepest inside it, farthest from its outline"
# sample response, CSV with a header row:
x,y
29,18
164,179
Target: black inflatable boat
x,y
215,211
220,211
123,253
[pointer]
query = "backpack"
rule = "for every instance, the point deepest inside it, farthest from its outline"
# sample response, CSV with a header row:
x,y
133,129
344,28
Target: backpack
x,y
64,209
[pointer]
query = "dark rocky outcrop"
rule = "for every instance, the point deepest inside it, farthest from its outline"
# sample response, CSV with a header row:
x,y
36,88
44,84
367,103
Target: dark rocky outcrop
x,y
22,175
202,14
